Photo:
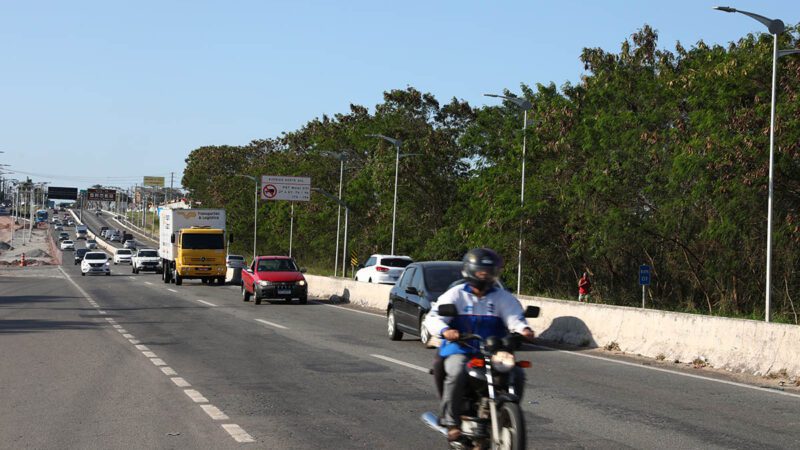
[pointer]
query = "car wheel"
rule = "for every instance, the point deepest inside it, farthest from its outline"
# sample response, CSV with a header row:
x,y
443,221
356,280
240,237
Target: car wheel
x,y
257,299
245,294
83,274
369,281
304,300
391,326
108,274
424,334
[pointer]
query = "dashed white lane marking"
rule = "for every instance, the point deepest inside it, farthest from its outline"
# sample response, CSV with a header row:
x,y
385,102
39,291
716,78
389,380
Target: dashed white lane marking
x,y
272,324
158,361
205,302
110,320
214,412
143,348
132,278
128,336
123,330
237,433
180,382
402,363
672,372
134,341
147,282
172,290
117,326
149,354
100,311
195,395
169,371
349,309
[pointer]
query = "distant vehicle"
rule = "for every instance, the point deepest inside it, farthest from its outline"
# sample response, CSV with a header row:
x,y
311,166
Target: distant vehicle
x,y
122,256
91,244
235,262
130,243
103,230
79,254
274,277
385,269
41,216
126,237
67,245
146,259
81,232
98,213
115,236
63,236
411,298
59,227
95,263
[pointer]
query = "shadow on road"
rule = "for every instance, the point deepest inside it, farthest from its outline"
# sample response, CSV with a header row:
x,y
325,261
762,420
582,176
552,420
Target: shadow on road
x,y
17,299
36,325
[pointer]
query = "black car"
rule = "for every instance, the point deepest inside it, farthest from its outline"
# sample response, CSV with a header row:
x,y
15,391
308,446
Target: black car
x,y
411,298
79,255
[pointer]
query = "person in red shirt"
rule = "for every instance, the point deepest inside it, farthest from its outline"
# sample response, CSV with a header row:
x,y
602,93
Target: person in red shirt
x,y
584,288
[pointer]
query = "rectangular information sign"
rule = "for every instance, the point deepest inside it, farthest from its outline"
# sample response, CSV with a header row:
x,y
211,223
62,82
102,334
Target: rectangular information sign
x,y
294,189
102,194
644,275
154,181
62,193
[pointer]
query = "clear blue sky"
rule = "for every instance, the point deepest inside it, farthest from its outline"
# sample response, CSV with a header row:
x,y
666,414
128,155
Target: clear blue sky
x,y
106,92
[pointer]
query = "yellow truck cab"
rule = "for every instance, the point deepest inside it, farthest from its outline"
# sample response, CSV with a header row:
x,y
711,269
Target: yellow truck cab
x,y
193,245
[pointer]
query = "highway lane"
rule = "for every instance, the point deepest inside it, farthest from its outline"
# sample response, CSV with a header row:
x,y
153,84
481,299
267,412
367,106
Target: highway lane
x,y
274,368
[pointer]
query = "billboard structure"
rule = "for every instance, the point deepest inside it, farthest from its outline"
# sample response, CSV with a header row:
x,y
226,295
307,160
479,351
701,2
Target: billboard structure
x,y
153,181
102,194
62,193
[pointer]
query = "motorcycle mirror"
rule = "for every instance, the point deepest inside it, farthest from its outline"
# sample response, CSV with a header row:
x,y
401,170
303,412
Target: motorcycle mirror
x,y
532,311
448,310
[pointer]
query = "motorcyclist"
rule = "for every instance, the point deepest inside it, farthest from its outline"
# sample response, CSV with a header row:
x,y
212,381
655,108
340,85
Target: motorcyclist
x,y
484,309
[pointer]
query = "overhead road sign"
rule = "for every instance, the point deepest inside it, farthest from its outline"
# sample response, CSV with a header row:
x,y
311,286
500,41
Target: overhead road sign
x,y
293,189
62,193
102,194
154,181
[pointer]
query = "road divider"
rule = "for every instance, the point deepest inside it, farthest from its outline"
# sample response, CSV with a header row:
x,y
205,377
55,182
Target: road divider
x,y
737,345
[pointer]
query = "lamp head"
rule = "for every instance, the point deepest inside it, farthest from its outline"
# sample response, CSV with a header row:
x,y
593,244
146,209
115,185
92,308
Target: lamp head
x,y
727,9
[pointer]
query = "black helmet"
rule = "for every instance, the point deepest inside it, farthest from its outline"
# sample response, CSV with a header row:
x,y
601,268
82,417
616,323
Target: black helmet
x,y
481,260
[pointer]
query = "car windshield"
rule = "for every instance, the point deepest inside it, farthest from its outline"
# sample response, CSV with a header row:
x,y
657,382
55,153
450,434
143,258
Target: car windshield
x,y
235,258
95,256
123,252
395,262
203,241
148,254
91,241
80,252
276,265
439,278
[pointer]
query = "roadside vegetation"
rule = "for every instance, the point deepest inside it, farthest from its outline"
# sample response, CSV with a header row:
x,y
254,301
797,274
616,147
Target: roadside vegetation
x,y
655,157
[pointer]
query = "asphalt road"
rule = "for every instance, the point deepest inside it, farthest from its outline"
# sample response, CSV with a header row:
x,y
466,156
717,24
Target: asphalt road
x,y
311,376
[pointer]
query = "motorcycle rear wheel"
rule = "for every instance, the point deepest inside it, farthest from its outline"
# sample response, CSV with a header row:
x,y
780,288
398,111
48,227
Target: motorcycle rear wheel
x,y
512,427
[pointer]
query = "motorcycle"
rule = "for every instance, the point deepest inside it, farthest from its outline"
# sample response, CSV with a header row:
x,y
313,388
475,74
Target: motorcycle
x,y
491,415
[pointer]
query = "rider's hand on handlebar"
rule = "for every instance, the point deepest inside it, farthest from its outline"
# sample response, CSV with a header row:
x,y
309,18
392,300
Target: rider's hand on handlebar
x,y
527,333
451,334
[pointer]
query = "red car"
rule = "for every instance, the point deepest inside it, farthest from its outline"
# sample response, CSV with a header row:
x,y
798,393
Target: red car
x,y
274,277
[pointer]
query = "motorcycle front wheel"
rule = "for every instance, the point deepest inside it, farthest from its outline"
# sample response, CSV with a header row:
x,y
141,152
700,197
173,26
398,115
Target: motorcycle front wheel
x,y
511,426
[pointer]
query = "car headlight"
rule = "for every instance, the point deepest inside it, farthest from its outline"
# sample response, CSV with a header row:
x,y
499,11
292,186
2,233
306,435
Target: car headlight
x,y
503,361
265,283
108,263
301,283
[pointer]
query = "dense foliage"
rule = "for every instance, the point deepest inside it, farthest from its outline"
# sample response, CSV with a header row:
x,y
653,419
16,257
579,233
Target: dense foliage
x,y
656,157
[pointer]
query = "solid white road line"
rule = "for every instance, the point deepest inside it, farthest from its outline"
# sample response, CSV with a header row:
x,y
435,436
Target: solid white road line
x,y
402,363
237,433
180,382
349,309
205,302
149,354
158,361
195,395
214,412
272,324
169,371
672,372
172,290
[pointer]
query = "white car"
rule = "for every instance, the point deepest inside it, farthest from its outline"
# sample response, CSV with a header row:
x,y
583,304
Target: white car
x,y
235,262
95,263
130,243
122,256
91,244
146,259
67,245
385,269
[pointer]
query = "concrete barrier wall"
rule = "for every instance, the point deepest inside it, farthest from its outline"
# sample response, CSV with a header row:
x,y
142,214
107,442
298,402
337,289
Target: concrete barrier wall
x,y
738,345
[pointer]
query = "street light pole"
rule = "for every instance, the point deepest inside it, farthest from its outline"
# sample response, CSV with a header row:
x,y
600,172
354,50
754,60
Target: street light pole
x,y
775,27
525,105
397,143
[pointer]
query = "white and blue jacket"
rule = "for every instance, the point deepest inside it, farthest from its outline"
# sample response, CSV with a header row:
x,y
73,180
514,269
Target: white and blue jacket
x,y
494,314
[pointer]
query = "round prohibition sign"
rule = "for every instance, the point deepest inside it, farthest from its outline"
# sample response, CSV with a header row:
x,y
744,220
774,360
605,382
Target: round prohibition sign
x,y
270,191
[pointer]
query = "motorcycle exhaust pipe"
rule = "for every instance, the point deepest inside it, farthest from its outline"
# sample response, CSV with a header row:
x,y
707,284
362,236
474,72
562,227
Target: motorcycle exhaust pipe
x,y
432,421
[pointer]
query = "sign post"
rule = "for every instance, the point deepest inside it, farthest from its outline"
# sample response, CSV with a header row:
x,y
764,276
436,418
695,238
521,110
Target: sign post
x,y
293,189
644,279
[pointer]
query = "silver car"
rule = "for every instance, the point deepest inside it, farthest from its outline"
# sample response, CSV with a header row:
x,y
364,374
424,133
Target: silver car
x,y
235,262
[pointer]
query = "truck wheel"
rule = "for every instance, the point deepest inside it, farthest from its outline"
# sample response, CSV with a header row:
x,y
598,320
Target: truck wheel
x,y
221,281
245,294
204,280
178,280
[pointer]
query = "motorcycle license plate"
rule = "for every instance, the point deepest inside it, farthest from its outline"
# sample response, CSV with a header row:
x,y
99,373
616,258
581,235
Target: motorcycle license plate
x,y
284,291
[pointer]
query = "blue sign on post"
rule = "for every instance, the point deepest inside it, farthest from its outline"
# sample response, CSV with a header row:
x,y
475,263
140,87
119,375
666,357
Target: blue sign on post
x,y
644,275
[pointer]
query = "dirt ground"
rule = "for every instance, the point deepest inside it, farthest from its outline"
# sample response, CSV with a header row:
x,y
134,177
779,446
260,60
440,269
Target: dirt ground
x,y
37,250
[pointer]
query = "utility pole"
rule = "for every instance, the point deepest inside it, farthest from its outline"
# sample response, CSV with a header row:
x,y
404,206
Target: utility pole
x,y
171,177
